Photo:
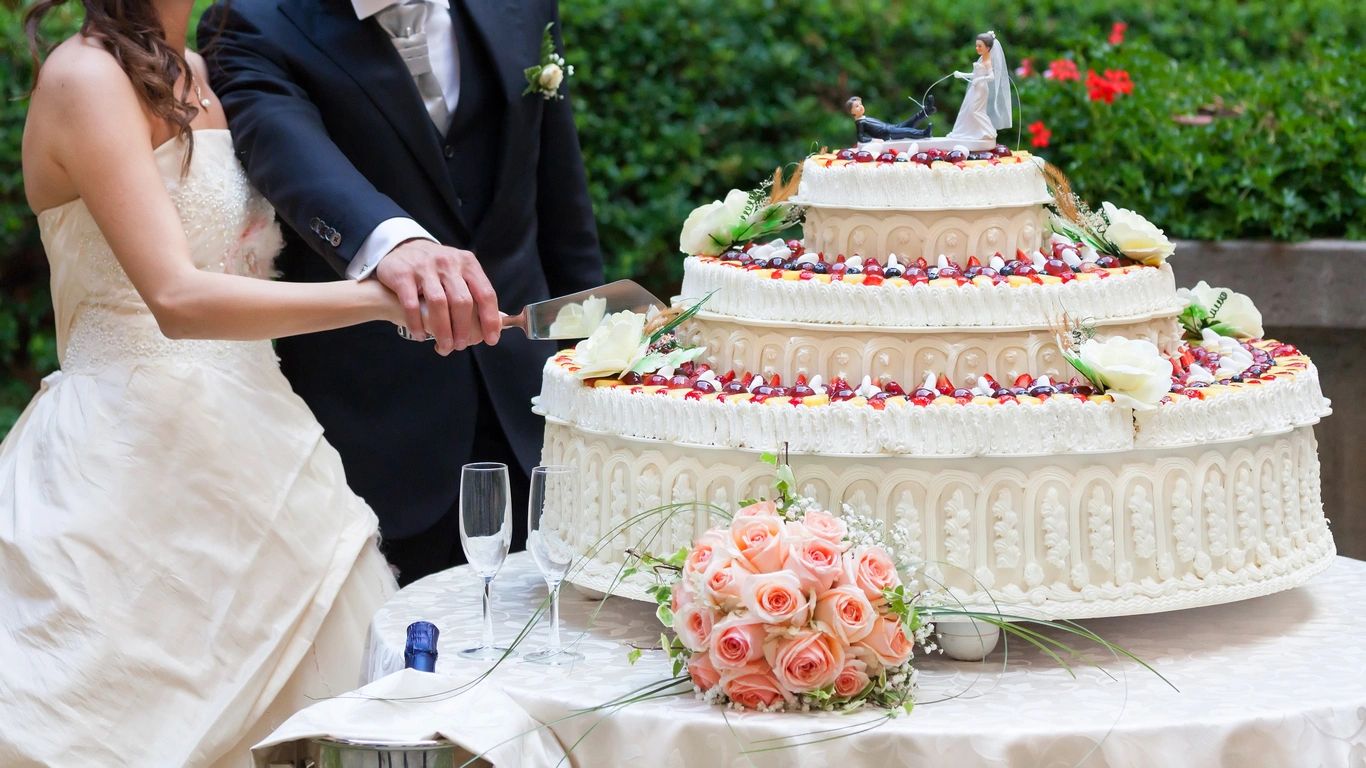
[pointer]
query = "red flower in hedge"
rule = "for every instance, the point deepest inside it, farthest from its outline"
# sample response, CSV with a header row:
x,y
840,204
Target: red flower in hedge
x,y
1117,32
1099,88
1062,70
1039,134
1119,78
1026,68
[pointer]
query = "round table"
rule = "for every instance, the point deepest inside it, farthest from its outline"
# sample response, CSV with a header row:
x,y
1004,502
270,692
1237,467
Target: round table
x,y
1274,681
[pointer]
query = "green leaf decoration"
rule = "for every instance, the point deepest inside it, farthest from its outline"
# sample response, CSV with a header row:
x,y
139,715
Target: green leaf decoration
x,y
633,656
665,614
680,318
1193,318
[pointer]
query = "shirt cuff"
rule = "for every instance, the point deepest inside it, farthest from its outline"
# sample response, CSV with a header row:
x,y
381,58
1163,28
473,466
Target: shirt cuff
x,y
383,239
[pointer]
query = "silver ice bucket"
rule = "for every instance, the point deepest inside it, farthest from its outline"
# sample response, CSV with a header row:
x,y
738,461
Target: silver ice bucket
x,y
340,753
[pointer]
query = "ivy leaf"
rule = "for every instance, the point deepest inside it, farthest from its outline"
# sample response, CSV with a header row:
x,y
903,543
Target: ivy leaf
x,y
665,614
633,656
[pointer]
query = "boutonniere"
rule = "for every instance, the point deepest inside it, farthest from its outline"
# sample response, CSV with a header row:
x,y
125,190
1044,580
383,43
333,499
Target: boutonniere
x,y
545,78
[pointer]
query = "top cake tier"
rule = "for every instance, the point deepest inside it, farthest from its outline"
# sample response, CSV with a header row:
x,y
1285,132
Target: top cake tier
x,y
898,183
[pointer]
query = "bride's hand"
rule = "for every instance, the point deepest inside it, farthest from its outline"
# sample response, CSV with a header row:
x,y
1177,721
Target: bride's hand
x,y
963,75
384,301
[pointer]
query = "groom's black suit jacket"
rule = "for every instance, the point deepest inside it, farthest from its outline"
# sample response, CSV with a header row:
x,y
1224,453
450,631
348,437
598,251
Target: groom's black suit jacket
x,y
331,129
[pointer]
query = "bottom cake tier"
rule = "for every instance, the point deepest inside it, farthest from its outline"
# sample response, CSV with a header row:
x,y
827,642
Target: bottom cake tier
x,y
1063,536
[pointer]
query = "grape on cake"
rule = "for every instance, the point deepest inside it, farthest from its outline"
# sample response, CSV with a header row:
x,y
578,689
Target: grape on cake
x,y
961,348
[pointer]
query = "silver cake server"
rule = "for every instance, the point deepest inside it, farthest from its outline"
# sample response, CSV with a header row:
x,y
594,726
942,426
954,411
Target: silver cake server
x,y
580,309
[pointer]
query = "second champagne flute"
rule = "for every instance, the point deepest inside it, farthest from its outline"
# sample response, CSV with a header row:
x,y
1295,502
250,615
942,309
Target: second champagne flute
x,y
554,495
486,536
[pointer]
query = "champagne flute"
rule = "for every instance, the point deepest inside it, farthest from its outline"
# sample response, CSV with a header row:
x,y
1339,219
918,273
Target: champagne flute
x,y
554,493
486,536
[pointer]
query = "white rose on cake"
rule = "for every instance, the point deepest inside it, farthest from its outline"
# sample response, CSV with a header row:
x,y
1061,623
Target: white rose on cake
x,y
578,320
617,344
1136,237
709,227
1225,311
1132,371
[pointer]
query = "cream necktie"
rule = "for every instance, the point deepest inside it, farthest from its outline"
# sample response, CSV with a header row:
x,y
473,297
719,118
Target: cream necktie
x,y
406,23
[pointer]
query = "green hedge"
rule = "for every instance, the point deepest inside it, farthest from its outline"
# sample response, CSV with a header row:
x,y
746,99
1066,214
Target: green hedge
x,y
678,102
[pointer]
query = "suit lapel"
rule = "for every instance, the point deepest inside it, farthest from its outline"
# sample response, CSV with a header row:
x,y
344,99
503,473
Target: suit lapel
x,y
368,57
499,24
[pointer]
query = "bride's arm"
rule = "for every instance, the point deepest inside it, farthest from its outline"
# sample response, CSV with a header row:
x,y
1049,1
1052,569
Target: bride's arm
x,y
101,138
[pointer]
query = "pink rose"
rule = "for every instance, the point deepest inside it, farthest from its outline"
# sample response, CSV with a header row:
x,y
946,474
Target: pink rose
x,y
846,612
872,664
703,674
852,680
723,583
888,642
825,526
682,595
758,542
816,562
708,548
693,625
806,661
871,569
736,643
755,687
758,508
775,598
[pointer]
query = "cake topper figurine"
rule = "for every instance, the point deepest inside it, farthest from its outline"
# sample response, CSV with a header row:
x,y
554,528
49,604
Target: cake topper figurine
x,y
872,129
986,107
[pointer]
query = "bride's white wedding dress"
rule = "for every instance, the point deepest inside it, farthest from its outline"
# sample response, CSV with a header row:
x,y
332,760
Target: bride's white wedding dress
x,y
182,565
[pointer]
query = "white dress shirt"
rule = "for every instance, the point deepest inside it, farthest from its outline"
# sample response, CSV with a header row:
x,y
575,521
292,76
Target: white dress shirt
x,y
446,67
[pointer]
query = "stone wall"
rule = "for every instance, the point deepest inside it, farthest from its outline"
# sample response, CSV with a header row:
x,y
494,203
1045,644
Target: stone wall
x,y
1313,295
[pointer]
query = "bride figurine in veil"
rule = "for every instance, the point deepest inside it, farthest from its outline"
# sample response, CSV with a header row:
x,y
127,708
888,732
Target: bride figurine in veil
x,y
986,107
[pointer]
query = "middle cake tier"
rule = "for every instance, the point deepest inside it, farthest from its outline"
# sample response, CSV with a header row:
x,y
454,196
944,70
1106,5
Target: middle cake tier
x,y
796,323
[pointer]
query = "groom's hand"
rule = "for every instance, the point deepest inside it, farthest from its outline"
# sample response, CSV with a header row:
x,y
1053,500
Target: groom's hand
x,y
462,309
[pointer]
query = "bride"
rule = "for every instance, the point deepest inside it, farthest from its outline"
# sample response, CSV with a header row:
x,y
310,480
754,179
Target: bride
x,y
986,107
182,565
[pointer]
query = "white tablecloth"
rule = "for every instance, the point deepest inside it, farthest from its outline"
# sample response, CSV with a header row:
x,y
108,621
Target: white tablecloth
x,y
1275,681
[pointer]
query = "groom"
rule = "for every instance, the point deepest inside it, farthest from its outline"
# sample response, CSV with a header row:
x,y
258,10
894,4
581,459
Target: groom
x,y
395,141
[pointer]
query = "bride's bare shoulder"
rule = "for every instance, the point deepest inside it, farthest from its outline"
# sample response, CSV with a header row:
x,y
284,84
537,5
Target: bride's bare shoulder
x,y
82,98
79,77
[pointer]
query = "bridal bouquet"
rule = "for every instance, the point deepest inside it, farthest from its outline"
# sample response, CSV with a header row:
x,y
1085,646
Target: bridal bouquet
x,y
790,607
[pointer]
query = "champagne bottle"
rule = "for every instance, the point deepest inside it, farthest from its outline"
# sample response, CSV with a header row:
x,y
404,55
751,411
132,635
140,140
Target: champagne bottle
x,y
420,651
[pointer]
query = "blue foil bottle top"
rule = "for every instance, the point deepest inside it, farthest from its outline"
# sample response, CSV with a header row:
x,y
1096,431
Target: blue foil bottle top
x,y
420,650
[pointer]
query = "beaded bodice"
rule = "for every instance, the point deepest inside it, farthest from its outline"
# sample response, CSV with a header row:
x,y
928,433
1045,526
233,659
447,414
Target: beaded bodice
x,y
100,317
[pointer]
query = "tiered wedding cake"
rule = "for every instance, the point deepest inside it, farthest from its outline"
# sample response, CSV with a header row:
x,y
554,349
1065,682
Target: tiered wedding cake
x,y
915,353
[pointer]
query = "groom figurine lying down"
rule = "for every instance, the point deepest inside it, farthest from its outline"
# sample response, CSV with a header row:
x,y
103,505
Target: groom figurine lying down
x,y
872,129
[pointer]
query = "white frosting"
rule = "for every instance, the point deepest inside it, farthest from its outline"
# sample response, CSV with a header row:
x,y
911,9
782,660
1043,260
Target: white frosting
x,y
1058,425
1063,536
740,293
912,186
905,355
1273,406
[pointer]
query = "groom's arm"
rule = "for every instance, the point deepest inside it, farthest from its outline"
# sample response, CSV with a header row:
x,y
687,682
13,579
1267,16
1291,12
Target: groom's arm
x,y
568,235
283,144
288,155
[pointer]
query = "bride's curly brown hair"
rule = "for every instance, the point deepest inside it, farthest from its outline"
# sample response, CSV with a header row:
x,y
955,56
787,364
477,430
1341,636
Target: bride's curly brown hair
x,y
132,33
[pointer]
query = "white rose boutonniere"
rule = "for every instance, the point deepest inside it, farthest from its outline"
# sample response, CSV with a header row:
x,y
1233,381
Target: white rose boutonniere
x,y
1135,236
1226,312
547,77
1131,371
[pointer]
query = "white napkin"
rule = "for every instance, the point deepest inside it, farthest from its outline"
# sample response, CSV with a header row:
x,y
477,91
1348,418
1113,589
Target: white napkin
x,y
410,706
